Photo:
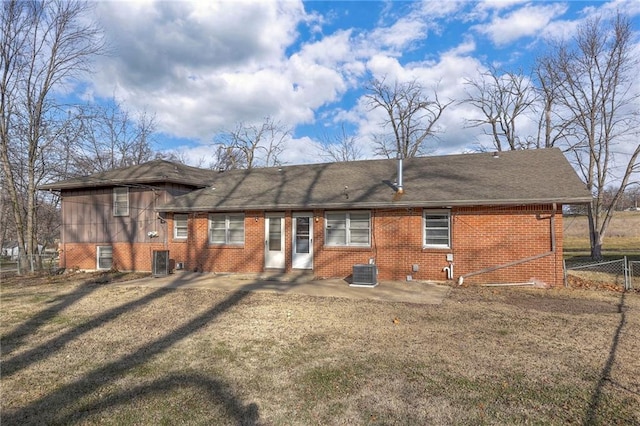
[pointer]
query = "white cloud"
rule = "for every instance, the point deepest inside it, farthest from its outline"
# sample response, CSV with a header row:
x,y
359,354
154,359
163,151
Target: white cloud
x,y
498,4
199,65
203,66
466,47
401,34
523,22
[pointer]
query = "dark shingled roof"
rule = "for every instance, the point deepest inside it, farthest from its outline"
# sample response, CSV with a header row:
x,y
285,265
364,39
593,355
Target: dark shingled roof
x,y
514,177
156,171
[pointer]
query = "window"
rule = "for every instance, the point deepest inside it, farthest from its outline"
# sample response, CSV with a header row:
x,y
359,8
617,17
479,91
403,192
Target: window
x,y
104,257
180,230
121,201
437,228
226,229
348,229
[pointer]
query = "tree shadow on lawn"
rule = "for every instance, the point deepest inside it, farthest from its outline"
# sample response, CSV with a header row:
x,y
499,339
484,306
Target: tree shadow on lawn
x,y
215,390
45,409
15,339
51,346
591,417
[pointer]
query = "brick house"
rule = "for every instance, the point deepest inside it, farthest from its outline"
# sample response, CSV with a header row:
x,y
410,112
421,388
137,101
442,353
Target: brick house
x,y
483,218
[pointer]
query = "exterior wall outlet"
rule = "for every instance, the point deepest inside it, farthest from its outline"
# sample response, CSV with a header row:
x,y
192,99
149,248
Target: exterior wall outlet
x,y
415,267
449,257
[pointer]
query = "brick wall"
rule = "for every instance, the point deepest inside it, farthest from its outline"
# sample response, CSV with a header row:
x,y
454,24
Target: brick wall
x,y
126,257
198,255
488,237
482,238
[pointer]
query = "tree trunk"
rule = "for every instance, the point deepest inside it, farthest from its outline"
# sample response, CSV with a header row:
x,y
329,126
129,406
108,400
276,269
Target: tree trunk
x,y
595,238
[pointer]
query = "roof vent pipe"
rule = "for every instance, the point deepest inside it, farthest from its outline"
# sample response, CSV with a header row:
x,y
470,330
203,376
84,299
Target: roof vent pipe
x,y
400,189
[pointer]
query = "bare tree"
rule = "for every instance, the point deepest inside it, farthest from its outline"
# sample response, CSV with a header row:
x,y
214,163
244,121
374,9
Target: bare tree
x,y
593,80
44,45
504,98
180,157
109,138
342,147
553,128
411,115
5,231
251,145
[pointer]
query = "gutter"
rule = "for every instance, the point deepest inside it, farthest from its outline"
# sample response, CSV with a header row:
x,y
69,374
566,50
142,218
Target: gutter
x,y
371,205
552,222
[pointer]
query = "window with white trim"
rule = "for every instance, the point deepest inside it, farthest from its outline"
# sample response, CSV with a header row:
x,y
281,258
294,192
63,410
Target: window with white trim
x,y
121,201
104,257
348,229
226,229
180,226
437,228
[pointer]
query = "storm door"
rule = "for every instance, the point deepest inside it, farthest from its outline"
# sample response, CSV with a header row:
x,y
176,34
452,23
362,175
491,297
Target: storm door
x,y
302,246
274,241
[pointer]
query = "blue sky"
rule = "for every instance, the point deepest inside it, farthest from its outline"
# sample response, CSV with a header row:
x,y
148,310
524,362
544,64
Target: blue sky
x,y
201,67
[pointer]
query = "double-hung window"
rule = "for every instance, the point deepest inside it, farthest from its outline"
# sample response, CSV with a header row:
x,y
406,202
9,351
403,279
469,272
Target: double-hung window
x,y
348,229
437,228
226,229
121,201
180,226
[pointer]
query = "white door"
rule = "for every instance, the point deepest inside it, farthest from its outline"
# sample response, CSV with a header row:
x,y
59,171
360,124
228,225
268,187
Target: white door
x,y
302,246
274,241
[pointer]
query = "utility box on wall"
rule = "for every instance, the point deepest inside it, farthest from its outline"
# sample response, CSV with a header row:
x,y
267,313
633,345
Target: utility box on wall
x,y
160,265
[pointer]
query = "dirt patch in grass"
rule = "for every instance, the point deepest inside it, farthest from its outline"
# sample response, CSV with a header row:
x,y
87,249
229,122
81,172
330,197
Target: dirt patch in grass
x,y
88,353
563,305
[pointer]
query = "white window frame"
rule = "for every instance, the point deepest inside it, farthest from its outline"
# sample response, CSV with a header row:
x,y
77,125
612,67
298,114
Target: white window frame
x,y
229,237
121,206
99,255
425,230
180,222
348,228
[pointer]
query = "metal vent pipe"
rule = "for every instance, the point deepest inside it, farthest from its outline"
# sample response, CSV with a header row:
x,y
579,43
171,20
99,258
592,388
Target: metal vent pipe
x,y
400,189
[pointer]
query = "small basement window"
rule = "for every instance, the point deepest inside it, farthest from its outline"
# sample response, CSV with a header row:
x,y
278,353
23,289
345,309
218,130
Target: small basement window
x,y
104,257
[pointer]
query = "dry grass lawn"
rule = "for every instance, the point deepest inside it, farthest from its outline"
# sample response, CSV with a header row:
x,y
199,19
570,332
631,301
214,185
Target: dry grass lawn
x,y
623,234
87,352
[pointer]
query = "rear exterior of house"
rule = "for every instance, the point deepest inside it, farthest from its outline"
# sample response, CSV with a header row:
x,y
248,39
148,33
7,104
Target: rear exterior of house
x,y
481,218
473,239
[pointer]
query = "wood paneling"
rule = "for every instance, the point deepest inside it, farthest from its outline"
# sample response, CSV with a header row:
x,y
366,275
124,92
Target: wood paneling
x,y
88,215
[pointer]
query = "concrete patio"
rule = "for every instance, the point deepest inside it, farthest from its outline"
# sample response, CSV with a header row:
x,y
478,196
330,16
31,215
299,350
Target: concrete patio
x,y
420,292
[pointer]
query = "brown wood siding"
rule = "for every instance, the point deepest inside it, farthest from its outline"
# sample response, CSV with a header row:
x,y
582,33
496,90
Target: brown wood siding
x,y
88,215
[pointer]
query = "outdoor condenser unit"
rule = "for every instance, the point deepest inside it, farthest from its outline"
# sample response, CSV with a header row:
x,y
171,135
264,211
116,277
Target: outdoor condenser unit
x,y
160,263
365,275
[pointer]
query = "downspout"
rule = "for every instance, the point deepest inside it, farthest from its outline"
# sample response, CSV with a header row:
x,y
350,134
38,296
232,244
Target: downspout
x,y
552,222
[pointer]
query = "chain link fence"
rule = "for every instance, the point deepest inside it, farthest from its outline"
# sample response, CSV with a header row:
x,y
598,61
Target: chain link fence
x,y
613,274
634,274
34,263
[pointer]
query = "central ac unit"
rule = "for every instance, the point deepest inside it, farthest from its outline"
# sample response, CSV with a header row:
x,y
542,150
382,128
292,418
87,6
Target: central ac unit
x,y
160,262
365,276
